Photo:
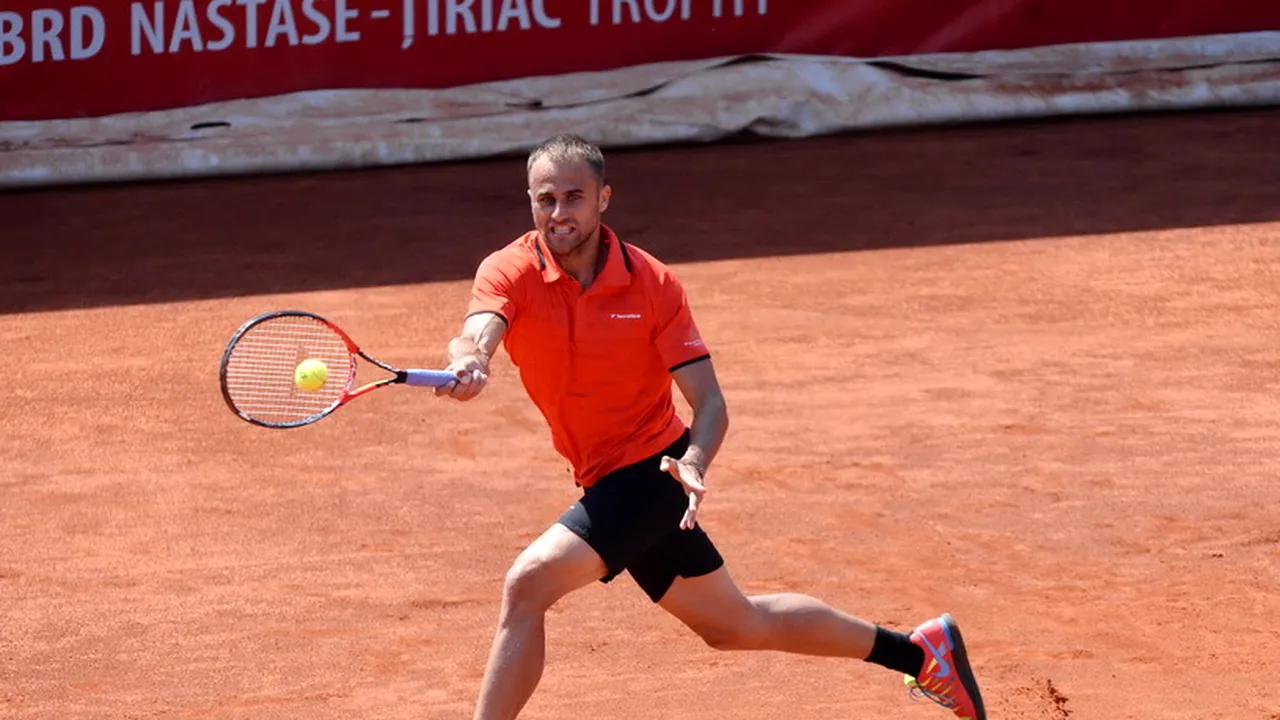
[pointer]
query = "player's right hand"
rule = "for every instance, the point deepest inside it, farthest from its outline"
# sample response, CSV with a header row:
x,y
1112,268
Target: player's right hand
x,y
472,374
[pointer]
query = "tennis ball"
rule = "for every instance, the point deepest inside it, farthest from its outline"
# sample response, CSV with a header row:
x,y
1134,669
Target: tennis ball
x,y
311,374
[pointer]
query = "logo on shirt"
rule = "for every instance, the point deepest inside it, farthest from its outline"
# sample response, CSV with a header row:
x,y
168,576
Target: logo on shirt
x,y
694,340
624,316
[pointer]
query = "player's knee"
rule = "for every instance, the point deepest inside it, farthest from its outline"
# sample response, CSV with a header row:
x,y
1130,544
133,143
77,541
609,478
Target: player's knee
x,y
748,635
529,585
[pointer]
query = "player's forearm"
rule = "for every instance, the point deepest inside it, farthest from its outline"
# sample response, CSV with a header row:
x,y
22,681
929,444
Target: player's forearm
x,y
481,335
707,431
464,346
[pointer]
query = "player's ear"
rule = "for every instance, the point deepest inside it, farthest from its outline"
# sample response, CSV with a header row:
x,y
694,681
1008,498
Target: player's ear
x,y
606,192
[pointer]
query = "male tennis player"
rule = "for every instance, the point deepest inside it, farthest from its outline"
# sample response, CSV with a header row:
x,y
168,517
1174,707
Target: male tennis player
x,y
598,329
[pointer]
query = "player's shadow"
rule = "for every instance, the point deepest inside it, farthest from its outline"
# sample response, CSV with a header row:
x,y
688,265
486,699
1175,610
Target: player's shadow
x,y
150,242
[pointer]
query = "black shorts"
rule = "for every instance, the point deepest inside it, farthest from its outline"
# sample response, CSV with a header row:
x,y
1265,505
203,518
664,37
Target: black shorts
x,y
631,518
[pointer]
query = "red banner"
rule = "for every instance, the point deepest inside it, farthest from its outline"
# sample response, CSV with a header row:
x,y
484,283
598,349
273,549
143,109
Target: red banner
x,y
75,58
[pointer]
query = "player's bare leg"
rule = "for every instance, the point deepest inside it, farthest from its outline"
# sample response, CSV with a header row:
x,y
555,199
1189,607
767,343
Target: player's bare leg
x,y
714,608
932,657
554,565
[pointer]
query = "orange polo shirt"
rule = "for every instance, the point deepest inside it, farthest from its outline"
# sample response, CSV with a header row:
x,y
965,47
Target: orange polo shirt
x,y
596,362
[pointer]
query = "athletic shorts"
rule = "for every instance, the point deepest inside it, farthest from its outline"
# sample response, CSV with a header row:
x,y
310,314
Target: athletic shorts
x,y
631,518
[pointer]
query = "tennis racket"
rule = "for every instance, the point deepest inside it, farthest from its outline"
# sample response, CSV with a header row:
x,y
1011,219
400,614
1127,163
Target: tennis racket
x,y
260,366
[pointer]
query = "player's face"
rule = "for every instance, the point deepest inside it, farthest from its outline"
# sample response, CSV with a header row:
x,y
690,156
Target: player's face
x,y
567,200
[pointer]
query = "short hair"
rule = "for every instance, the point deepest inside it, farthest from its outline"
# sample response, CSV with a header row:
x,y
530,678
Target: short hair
x,y
567,146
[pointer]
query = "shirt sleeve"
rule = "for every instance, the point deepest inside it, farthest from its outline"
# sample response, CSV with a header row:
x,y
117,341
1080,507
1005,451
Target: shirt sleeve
x,y
493,289
678,341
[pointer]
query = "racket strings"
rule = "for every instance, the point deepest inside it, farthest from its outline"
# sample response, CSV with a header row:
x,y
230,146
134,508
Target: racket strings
x,y
260,369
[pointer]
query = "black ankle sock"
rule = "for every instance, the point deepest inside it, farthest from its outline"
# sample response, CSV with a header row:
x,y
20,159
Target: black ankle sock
x,y
896,652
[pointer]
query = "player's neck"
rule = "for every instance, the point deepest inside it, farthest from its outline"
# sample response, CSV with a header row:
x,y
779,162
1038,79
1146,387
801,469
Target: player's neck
x,y
586,261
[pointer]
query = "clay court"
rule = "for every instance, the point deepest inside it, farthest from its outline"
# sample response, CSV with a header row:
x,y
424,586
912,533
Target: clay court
x,y
1023,373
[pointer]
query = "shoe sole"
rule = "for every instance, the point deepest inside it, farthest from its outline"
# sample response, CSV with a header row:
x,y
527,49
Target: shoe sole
x,y
962,668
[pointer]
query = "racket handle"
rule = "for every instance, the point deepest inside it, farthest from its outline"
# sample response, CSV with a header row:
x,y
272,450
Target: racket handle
x,y
428,378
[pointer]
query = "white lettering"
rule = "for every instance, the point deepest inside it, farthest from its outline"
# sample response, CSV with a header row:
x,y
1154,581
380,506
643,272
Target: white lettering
x,y
321,21
651,10
541,17
228,30
152,28
282,23
459,9
433,17
195,26
658,11
739,8
12,46
185,27
486,15
46,26
251,21
79,48
407,24
632,5
341,16
514,9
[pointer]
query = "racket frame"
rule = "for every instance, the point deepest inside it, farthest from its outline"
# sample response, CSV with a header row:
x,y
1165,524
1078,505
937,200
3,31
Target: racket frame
x,y
430,378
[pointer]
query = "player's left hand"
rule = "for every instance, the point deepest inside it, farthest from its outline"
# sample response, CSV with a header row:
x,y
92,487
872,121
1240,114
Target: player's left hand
x,y
690,476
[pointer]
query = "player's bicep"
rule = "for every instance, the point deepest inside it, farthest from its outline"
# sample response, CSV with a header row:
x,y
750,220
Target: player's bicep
x,y
486,330
494,290
676,336
698,383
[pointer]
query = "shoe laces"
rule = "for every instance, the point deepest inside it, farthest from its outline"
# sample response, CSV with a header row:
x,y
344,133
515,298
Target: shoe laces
x,y
917,692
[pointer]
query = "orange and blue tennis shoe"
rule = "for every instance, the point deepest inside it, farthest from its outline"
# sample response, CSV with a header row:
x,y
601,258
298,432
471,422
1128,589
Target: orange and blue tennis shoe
x,y
946,677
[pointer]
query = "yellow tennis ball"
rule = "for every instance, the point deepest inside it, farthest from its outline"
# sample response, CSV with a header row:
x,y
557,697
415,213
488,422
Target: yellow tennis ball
x,y
311,374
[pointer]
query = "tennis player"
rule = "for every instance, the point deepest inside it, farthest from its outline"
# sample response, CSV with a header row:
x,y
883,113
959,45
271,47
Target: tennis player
x,y
599,329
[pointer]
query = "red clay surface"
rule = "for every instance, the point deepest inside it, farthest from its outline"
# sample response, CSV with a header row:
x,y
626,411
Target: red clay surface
x,y
1025,374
